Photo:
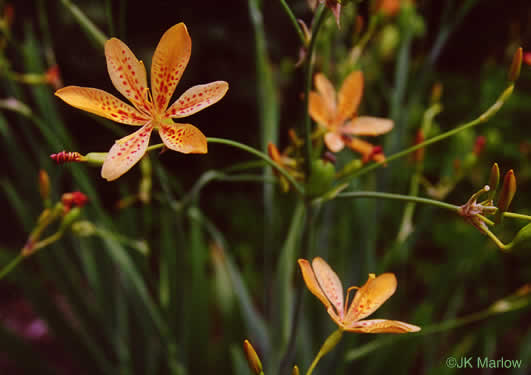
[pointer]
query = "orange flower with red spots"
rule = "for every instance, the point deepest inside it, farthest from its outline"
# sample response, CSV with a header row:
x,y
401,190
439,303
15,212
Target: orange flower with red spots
x,y
149,110
338,116
324,283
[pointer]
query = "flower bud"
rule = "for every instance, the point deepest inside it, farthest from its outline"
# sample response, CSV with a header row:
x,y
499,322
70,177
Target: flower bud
x,y
69,218
75,198
44,184
516,65
506,195
295,370
494,180
527,58
252,358
322,177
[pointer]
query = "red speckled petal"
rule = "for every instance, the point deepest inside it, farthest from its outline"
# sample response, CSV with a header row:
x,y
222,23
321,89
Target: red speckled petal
x,y
169,61
101,103
371,296
197,98
330,284
127,73
311,282
183,138
381,326
125,153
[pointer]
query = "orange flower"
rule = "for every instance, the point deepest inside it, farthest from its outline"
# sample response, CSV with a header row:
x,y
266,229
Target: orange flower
x,y
324,283
151,111
339,118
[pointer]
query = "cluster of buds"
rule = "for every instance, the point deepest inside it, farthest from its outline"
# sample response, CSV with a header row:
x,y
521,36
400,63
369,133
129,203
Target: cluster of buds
x,y
476,212
66,212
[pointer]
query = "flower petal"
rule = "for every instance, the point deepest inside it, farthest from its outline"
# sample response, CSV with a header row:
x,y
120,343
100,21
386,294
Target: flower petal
x,y
330,283
371,296
311,282
197,98
381,326
169,61
350,96
318,110
327,92
183,138
359,145
334,141
127,73
125,153
367,125
102,104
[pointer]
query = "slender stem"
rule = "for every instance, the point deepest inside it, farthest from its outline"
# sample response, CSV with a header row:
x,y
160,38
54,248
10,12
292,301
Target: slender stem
x,y
498,243
9,267
262,156
483,118
516,216
400,197
318,20
294,22
328,345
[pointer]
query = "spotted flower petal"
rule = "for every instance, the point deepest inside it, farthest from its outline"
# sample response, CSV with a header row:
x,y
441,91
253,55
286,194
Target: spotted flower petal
x,y
101,103
197,98
350,96
367,125
330,283
381,326
371,296
127,73
169,61
311,282
125,153
183,138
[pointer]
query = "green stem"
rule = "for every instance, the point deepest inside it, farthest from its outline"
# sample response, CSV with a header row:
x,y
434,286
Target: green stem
x,y
318,20
9,267
516,216
483,118
262,156
89,27
294,22
400,197
328,345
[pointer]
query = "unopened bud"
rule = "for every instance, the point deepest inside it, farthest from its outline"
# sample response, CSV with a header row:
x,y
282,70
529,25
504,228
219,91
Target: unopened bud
x,y
494,180
295,370
418,155
44,184
84,228
66,157
479,145
323,174
516,65
506,194
527,58
252,358
75,198
436,92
